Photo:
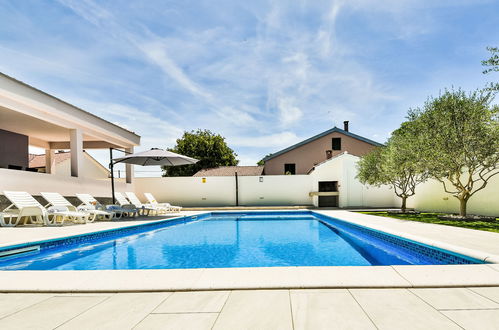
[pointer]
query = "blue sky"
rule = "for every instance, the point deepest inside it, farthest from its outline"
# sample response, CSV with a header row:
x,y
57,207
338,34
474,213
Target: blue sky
x,y
264,74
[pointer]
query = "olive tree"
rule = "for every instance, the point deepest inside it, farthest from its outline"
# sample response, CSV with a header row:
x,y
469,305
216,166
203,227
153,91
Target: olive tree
x,y
492,64
459,141
396,164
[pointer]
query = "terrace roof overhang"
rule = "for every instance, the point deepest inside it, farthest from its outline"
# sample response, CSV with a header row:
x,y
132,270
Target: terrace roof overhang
x,y
48,121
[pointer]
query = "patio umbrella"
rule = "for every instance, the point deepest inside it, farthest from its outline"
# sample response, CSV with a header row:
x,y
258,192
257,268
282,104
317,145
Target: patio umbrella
x,y
156,156
153,157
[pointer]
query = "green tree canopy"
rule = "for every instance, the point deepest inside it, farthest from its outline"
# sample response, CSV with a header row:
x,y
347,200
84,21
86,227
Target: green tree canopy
x,y
397,164
459,141
492,65
261,162
210,148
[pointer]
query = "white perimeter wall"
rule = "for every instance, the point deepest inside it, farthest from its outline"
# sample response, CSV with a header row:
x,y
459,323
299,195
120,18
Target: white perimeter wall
x,y
272,190
220,191
34,183
430,196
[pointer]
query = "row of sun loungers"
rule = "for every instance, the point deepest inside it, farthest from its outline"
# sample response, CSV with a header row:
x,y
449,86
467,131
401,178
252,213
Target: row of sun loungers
x,y
25,208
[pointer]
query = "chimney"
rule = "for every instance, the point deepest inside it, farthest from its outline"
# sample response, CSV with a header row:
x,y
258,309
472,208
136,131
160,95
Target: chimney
x,y
345,125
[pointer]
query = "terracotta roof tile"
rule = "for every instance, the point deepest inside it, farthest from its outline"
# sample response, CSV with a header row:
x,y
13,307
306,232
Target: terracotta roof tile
x,y
37,161
231,170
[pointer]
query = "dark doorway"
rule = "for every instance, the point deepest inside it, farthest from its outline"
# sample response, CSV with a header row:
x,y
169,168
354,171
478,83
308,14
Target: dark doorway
x,y
328,201
290,169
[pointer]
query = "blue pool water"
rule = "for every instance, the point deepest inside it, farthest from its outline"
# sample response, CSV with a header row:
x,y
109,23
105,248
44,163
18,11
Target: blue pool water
x,y
235,240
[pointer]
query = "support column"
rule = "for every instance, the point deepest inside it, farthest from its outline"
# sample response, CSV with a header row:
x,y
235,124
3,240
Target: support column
x,y
129,167
50,161
76,146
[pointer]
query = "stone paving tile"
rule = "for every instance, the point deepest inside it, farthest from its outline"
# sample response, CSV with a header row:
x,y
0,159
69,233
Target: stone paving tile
x,y
49,313
194,302
121,311
475,319
326,309
448,275
187,321
400,309
139,280
13,302
256,309
351,276
251,277
494,266
489,292
454,298
41,281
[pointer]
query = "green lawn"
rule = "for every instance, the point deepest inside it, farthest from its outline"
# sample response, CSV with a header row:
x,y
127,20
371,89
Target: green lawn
x,y
432,218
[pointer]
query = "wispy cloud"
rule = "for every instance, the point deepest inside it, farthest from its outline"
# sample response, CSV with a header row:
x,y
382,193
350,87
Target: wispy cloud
x,y
155,50
265,74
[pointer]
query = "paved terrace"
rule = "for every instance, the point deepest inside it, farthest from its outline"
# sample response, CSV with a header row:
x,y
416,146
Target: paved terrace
x,y
370,297
452,308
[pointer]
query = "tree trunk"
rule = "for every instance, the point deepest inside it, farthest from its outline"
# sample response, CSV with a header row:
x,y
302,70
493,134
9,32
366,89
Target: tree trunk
x,y
462,206
404,202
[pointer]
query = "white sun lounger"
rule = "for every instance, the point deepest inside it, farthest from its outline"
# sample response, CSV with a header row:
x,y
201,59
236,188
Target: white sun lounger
x,y
125,203
25,207
158,209
146,209
152,201
58,201
90,204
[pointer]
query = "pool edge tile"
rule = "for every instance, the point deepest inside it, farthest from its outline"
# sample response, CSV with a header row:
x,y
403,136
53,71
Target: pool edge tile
x,y
448,275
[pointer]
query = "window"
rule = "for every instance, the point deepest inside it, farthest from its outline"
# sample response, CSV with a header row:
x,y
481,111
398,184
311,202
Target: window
x,y
289,169
336,144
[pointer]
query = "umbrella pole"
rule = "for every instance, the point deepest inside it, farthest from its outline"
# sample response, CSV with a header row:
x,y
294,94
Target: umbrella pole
x,y
111,166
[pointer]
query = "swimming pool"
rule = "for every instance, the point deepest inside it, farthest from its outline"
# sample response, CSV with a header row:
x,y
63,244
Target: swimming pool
x,y
224,240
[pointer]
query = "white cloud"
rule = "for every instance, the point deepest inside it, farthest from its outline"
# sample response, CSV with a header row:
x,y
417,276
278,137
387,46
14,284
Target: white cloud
x,y
157,53
288,112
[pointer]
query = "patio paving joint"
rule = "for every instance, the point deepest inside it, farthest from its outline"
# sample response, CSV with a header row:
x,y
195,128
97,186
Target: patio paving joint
x,y
221,309
481,295
494,268
84,311
152,312
25,307
362,308
434,308
411,285
291,309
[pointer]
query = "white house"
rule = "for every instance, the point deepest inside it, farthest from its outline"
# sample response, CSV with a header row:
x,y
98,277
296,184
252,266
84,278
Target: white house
x,y
334,183
30,117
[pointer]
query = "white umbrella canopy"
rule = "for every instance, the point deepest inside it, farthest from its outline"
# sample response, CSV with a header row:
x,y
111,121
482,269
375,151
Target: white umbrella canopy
x,y
156,157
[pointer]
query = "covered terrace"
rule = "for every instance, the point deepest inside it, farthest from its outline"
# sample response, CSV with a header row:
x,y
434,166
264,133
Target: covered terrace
x,y
31,117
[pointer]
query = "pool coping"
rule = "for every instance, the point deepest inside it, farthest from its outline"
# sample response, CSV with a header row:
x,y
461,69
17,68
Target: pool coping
x,y
407,276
